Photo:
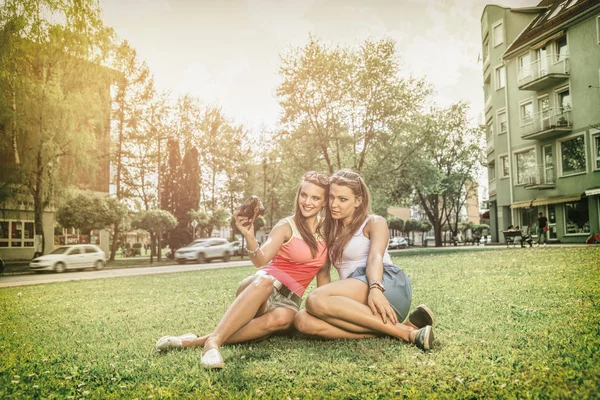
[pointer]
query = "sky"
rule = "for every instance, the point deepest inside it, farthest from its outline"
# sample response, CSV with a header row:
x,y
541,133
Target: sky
x,y
227,52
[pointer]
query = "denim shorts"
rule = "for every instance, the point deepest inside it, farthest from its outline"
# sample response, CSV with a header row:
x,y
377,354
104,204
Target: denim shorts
x,y
276,299
398,290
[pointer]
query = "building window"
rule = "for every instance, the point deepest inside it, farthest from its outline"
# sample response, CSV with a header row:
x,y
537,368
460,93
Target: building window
x,y
504,171
526,111
572,3
564,100
598,28
491,171
500,77
17,233
557,10
529,219
498,33
525,166
486,50
572,155
525,65
577,217
548,164
596,148
489,132
562,50
502,122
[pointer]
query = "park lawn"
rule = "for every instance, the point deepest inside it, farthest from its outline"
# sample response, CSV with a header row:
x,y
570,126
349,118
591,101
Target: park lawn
x,y
522,323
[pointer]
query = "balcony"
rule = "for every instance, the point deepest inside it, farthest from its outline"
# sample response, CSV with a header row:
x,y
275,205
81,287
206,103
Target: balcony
x,y
547,124
492,188
543,73
541,177
490,145
488,103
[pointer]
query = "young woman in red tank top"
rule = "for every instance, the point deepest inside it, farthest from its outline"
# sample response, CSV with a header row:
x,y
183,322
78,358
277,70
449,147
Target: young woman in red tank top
x,y
267,301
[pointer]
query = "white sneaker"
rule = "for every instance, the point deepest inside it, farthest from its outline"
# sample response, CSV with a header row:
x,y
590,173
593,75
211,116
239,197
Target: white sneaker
x,y
167,343
212,359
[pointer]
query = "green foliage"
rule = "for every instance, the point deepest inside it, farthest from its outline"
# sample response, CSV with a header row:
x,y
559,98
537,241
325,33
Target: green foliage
x,y
90,212
500,333
154,220
396,224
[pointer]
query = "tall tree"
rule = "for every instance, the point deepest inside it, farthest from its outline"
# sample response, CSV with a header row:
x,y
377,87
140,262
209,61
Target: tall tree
x,y
447,161
53,94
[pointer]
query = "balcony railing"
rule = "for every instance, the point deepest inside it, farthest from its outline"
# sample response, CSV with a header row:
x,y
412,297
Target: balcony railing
x,y
547,123
492,188
544,72
540,177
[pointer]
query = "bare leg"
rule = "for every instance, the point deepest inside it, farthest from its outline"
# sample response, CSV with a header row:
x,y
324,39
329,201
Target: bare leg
x,y
243,309
343,305
314,326
275,320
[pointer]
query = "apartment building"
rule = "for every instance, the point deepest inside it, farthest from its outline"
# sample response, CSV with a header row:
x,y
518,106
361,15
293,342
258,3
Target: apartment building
x,y
541,70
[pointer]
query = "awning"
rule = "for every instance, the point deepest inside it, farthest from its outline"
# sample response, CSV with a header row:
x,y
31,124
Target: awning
x,y
555,200
592,192
541,44
521,204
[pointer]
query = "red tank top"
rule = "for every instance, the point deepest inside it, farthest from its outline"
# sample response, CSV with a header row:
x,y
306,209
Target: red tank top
x,y
294,265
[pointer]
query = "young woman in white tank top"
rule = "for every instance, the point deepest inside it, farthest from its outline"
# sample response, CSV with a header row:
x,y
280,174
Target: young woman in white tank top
x,y
373,296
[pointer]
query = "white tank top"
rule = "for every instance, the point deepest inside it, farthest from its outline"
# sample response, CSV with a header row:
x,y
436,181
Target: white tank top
x,y
356,253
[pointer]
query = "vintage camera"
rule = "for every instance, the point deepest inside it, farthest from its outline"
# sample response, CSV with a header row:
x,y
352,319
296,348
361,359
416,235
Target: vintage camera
x,y
251,209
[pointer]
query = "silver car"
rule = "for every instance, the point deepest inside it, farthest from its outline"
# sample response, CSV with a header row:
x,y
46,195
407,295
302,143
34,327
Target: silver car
x,y
202,250
77,256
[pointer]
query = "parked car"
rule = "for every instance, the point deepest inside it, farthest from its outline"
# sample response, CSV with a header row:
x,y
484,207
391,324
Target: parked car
x,y
202,250
397,243
70,257
237,247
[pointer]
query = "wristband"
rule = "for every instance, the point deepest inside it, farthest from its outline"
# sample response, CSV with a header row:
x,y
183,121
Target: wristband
x,y
376,284
252,253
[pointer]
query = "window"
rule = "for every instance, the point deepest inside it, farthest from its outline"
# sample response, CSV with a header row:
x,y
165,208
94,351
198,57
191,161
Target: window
x,y
504,171
529,219
500,77
17,233
486,50
564,100
577,217
551,213
498,33
557,10
562,51
490,130
543,62
548,164
572,3
526,113
572,155
525,65
525,166
596,148
598,28
502,122
491,171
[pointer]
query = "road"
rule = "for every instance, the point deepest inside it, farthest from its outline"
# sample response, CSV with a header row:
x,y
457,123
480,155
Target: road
x,y
51,277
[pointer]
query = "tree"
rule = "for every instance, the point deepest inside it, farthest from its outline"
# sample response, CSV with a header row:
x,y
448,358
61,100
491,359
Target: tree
x,y
53,95
396,224
154,221
447,159
86,213
345,107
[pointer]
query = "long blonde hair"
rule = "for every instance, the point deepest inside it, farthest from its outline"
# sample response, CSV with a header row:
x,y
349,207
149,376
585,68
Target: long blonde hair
x,y
321,181
338,237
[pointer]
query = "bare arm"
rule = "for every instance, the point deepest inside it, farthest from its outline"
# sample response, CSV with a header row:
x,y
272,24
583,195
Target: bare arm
x,y
323,277
377,232
281,233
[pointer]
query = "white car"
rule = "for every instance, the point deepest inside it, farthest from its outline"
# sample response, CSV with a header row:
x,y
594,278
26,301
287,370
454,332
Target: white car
x,y
70,257
397,243
205,249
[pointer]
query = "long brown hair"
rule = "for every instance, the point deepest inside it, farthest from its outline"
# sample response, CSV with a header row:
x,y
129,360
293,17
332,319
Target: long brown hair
x,y
321,181
338,236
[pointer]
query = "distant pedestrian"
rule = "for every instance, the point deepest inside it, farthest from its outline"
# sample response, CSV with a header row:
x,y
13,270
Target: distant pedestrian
x,y
542,229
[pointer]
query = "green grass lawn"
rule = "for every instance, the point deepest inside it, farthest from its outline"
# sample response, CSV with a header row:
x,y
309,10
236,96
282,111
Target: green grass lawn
x,y
510,324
